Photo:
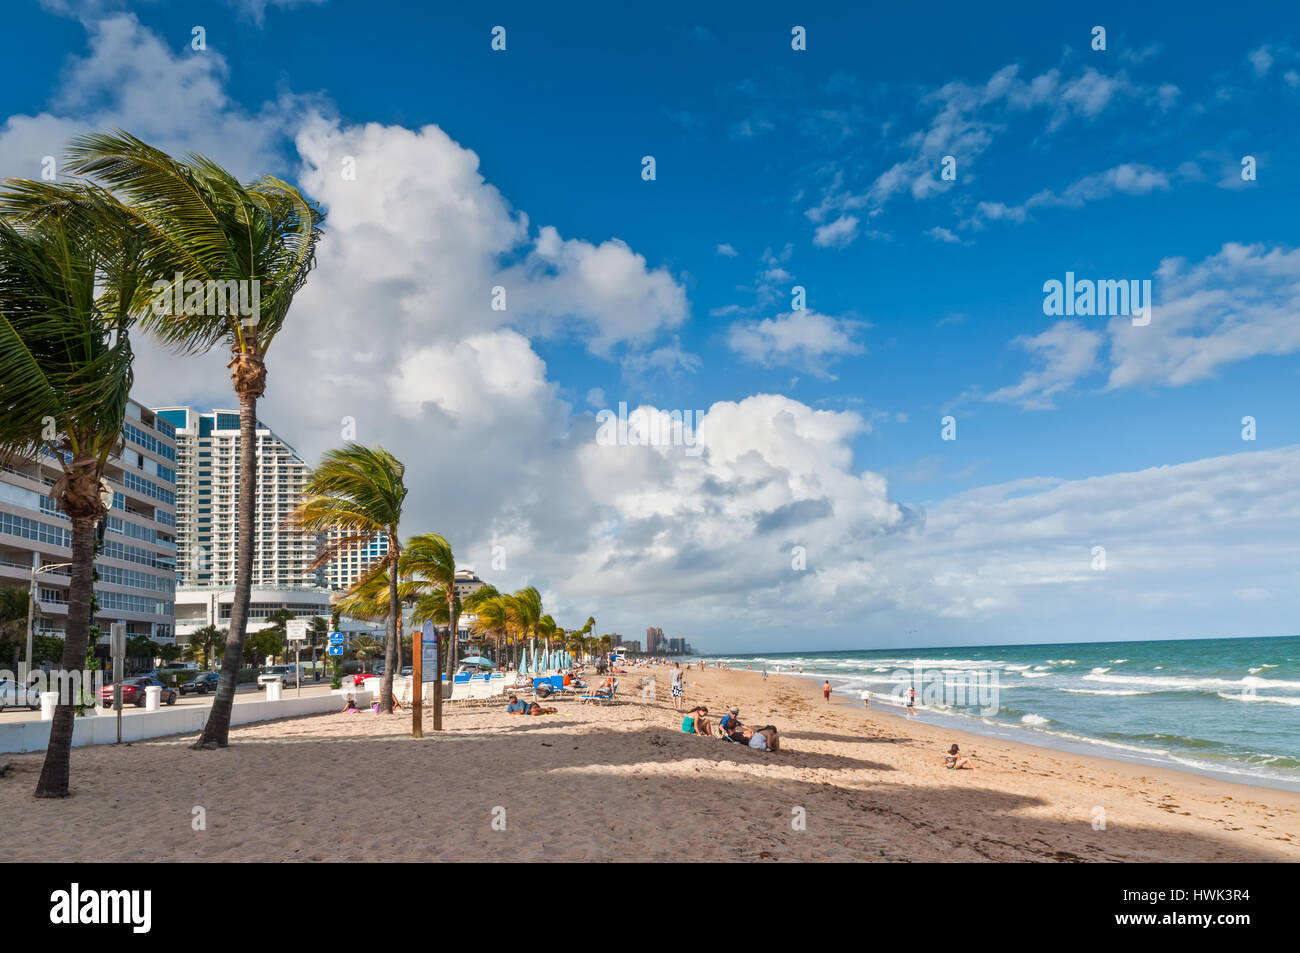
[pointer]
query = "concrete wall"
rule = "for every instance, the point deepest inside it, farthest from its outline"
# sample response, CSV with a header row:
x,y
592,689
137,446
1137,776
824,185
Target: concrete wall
x,y
137,725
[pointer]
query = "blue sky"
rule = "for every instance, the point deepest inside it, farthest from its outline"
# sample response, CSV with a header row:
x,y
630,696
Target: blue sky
x,y
775,168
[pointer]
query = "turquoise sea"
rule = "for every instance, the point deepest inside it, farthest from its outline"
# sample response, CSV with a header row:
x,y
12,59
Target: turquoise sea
x,y
1225,707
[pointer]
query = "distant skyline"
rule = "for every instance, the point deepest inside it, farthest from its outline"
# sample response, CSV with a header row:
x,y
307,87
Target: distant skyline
x,y
497,271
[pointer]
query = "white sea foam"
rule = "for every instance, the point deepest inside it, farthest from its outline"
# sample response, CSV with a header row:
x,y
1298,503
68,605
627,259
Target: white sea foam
x,y
1247,697
1258,669
1105,691
1034,720
1118,661
1100,670
1193,683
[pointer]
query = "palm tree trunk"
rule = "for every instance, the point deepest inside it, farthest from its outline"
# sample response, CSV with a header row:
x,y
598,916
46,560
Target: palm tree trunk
x,y
55,772
453,635
390,650
216,733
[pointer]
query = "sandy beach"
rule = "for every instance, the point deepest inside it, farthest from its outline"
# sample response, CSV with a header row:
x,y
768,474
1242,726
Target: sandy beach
x,y
622,783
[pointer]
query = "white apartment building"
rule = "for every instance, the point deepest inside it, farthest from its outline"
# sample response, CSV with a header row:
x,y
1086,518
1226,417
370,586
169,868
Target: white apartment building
x,y
207,495
137,566
342,572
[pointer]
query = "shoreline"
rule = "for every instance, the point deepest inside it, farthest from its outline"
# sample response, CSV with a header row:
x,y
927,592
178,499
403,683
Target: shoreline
x,y
969,738
1083,746
622,783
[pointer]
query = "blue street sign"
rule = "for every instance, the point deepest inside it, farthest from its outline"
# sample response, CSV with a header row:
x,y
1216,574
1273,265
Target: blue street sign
x,y
336,638
336,650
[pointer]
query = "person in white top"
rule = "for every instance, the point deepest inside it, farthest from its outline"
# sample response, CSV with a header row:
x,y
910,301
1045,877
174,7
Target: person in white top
x,y
677,687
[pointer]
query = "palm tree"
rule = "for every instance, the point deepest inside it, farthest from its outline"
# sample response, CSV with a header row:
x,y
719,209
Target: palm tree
x,y
547,629
364,647
429,560
360,491
527,606
206,641
204,226
69,280
13,620
491,614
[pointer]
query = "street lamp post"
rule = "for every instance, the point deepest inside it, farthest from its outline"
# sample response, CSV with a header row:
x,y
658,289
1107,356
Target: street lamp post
x,y
31,605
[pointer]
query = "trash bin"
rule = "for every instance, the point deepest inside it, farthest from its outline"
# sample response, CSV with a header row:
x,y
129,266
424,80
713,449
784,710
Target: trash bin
x,y
152,696
48,701
274,690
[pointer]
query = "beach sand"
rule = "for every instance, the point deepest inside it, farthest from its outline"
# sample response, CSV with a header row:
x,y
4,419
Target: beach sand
x,y
622,783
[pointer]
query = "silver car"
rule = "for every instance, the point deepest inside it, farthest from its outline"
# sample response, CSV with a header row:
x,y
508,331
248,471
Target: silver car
x,y
13,695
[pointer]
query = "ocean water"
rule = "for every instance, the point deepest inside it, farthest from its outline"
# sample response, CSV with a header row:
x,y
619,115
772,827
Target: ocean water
x,y
1225,707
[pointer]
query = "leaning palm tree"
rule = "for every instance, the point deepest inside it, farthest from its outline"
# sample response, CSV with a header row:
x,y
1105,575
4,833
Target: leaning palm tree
x,y
68,285
491,614
211,238
428,559
360,492
528,611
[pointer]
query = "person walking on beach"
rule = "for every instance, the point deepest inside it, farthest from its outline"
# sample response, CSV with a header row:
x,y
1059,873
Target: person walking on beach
x,y
826,690
911,702
676,684
765,675
866,700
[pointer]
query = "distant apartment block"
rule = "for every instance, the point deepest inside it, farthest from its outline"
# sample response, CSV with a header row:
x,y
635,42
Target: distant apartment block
x,y
207,496
137,565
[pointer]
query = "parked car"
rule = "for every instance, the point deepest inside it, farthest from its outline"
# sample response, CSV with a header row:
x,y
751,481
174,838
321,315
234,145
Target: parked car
x,y
359,678
407,670
133,692
283,673
201,683
13,695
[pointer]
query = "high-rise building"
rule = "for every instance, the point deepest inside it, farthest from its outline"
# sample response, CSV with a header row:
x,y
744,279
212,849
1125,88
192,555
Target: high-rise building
x,y
207,497
654,641
677,646
137,564
351,563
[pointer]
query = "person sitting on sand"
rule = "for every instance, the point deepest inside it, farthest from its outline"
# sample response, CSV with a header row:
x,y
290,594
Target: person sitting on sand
x,y
536,709
765,739
730,723
955,762
350,706
516,707
695,722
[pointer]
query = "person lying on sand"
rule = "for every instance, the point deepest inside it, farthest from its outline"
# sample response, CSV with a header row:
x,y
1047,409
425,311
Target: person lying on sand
x,y
955,762
765,739
536,709
695,722
350,706
516,707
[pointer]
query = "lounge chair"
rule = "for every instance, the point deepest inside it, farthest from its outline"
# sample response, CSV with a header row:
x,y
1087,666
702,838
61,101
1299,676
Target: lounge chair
x,y
599,697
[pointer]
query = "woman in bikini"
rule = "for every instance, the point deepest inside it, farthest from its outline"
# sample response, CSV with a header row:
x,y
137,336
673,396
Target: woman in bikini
x,y
954,761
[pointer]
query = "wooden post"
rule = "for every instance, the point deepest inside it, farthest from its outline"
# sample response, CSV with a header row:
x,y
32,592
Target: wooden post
x,y
417,683
437,686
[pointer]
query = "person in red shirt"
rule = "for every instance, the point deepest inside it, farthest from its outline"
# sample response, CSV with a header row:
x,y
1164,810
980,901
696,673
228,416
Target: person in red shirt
x,y
826,691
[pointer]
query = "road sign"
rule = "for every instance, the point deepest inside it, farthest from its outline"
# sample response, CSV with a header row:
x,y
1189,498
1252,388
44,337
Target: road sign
x,y
336,650
296,629
429,653
336,638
